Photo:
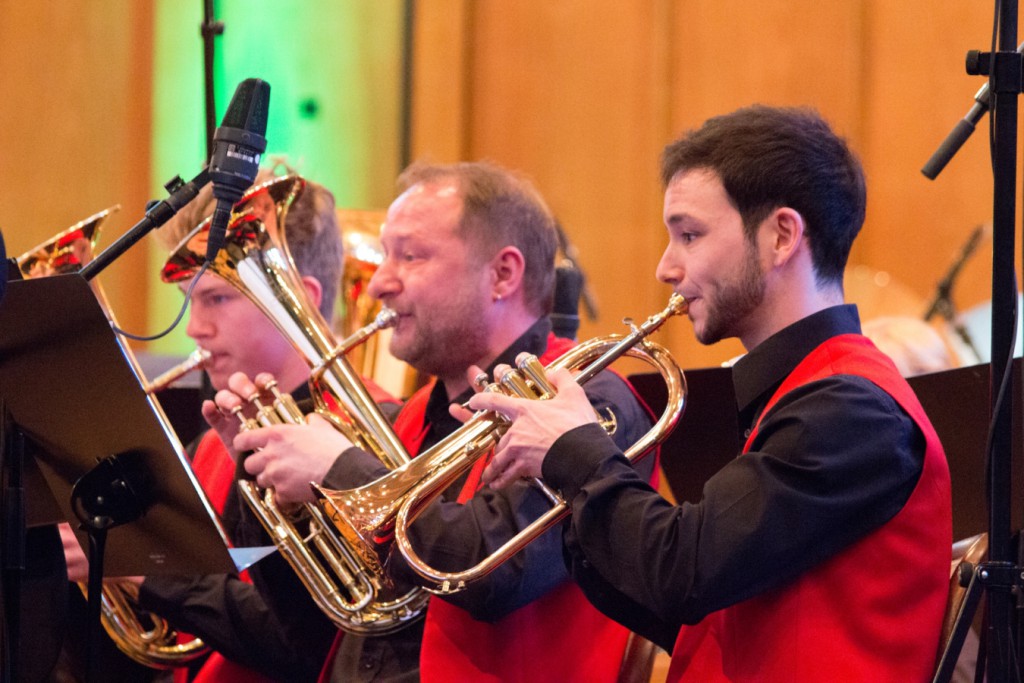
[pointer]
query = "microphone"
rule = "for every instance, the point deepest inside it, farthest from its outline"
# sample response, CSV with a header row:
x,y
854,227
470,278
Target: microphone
x,y
961,131
235,160
942,304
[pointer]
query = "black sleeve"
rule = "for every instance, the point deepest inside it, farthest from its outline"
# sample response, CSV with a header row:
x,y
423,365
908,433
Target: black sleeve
x,y
451,537
232,618
833,460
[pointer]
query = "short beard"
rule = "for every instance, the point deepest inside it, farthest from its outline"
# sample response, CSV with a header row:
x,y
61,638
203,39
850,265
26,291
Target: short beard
x,y
447,350
734,302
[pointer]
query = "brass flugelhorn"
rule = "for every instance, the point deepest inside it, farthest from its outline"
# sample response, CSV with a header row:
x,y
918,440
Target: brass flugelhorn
x,y
142,636
364,516
255,260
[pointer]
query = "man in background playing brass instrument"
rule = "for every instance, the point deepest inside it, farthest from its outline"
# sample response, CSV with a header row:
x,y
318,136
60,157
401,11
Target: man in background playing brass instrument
x,y
822,552
230,615
469,268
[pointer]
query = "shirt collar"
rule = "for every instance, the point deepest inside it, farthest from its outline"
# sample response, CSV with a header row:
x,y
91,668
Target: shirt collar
x,y
758,374
534,340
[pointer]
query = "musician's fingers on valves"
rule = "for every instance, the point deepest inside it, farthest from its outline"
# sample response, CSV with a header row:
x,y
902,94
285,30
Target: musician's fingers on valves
x,y
536,425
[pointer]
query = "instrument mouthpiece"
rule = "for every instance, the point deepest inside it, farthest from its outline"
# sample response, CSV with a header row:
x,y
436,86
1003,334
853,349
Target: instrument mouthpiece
x,y
677,304
385,319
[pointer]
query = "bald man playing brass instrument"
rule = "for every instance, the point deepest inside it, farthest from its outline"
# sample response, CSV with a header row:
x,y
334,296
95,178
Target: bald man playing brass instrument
x,y
469,269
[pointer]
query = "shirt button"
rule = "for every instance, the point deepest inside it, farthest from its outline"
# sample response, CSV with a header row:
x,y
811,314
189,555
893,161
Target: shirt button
x,y
746,433
586,564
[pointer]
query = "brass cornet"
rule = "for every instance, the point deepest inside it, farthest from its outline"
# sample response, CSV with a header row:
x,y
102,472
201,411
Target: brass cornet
x,y
256,262
146,638
363,516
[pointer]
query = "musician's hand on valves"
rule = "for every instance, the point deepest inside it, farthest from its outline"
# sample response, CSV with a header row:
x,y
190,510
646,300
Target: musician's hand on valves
x,y
288,457
220,414
536,425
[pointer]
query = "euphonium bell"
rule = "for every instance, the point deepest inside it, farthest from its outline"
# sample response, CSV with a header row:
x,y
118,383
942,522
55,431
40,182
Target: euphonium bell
x,y
66,252
145,637
365,515
255,260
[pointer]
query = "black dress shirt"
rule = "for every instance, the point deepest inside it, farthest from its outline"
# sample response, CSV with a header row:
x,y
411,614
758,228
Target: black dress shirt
x,y
833,460
450,536
271,625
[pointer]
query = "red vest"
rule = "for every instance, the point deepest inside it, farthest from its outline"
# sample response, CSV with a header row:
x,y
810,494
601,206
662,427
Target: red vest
x,y
871,613
558,637
215,471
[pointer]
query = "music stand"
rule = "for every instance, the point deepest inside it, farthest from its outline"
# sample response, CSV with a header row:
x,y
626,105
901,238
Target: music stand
x,y
72,396
707,435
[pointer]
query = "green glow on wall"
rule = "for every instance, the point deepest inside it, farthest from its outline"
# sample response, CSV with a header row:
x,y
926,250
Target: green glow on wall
x,y
334,69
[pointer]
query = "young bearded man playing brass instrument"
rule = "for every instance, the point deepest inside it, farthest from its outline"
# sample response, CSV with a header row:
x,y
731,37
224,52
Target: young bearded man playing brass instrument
x,y
822,552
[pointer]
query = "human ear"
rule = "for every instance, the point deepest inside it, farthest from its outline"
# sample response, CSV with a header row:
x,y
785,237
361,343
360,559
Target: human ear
x,y
786,228
507,268
314,290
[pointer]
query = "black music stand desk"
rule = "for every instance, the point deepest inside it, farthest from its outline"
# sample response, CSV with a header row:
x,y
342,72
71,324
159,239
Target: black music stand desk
x,y
70,388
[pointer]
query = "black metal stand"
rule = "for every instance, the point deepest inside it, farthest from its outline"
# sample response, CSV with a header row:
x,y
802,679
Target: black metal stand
x,y
56,335
158,214
210,29
1000,576
942,304
110,495
12,544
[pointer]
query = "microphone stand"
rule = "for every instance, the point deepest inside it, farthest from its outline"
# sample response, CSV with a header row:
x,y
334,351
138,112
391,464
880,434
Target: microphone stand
x,y
156,215
1000,576
942,304
209,30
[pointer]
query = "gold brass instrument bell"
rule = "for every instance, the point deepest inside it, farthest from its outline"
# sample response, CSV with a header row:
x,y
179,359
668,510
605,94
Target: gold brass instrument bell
x,y
67,251
360,233
145,637
364,515
256,261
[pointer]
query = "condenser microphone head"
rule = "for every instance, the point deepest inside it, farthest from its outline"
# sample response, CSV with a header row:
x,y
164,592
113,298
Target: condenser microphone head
x,y
237,146
239,141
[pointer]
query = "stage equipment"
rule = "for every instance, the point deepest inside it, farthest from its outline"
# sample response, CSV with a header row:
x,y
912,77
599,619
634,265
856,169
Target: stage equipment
x,y
367,515
1000,575
143,636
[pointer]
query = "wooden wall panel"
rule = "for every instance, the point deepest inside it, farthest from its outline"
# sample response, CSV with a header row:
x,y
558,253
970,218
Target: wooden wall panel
x,y
583,95
567,92
579,94
74,130
918,89
440,91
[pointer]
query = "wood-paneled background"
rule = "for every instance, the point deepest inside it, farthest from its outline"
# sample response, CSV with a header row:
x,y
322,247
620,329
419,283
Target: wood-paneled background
x,y
581,95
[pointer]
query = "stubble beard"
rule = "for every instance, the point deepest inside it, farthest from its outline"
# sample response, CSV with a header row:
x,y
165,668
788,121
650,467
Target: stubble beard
x,y
734,301
444,350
